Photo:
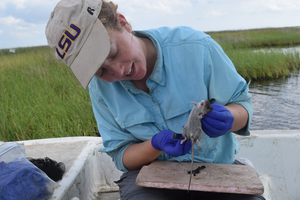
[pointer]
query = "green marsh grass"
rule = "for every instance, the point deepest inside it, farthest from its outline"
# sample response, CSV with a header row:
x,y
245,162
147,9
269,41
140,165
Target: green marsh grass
x,y
258,65
41,98
243,48
257,38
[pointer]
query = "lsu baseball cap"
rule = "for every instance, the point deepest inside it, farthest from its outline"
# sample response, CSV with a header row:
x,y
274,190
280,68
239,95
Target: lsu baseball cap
x,y
78,37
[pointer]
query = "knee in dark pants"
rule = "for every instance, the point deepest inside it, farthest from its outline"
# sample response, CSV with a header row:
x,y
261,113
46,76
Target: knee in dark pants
x,y
129,190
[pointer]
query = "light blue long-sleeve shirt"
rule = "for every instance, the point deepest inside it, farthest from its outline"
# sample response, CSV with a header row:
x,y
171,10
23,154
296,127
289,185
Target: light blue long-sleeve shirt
x,y
190,66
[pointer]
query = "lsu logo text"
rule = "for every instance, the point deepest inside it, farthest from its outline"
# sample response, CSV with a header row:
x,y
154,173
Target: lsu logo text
x,y
66,40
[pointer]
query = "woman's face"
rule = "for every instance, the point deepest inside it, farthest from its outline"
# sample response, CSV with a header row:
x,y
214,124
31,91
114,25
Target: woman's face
x,y
126,60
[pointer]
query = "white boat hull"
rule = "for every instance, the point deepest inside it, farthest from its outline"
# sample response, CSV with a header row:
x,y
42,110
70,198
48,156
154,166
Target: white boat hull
x,y
276,157
90,174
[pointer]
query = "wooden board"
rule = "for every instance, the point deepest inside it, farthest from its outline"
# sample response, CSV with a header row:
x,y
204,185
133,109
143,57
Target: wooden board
x,y
221,178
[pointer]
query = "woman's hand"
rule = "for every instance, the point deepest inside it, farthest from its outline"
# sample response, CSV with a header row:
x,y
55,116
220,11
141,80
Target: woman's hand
x,y
140,154
217,122
163,141
221,119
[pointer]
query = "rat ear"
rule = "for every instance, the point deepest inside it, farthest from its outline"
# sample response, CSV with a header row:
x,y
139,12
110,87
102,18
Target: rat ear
x,y
194,103
200,116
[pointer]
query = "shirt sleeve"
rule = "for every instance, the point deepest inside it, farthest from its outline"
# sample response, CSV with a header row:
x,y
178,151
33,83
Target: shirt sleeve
x,y
225,85
115,139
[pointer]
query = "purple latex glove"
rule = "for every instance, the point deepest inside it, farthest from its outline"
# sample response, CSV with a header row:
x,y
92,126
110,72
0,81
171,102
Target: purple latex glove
x,y
163,141
218,121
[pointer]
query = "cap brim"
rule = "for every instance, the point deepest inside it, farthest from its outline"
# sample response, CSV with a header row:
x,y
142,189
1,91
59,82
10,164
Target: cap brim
x,y
92,54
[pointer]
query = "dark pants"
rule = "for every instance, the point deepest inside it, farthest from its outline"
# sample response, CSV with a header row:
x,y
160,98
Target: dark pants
x,y
130,191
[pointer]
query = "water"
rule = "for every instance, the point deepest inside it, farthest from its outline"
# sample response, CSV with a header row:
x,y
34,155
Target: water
x,y
288,49
276,104
291,49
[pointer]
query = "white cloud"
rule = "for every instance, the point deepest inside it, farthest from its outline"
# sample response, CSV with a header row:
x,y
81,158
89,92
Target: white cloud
x,y
2,5
22,28
18,34
10,20
171,7
21,19
289,7
27,31
218,13
158,6
275,7
20,4
1,31
280,5
23,4
18,28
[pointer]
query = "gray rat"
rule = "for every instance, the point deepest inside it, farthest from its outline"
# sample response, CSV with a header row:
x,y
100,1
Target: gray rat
x,y
193,128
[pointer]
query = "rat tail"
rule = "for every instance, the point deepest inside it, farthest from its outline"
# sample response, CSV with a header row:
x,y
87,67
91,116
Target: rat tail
x,y
191,166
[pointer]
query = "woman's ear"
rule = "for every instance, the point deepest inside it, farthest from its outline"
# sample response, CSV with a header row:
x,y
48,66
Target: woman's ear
x,y
123,22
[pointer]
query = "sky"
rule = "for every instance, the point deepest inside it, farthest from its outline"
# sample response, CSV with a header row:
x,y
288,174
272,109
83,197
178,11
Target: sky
x,y
23,22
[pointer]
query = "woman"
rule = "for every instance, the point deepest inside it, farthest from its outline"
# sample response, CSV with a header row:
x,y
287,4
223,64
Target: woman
x,y
141,88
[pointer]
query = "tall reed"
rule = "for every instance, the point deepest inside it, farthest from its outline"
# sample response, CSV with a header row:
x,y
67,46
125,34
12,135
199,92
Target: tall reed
x,y
41,98
258,65
251,63
257,38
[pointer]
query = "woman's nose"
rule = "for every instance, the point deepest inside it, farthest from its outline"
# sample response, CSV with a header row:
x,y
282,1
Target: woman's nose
x,y
117,69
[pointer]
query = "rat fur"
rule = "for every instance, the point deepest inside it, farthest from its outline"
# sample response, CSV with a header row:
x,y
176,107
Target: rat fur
x,y
193,128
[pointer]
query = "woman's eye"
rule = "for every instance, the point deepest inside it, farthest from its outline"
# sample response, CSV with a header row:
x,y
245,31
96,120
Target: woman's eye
x,y
99,72
114,55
